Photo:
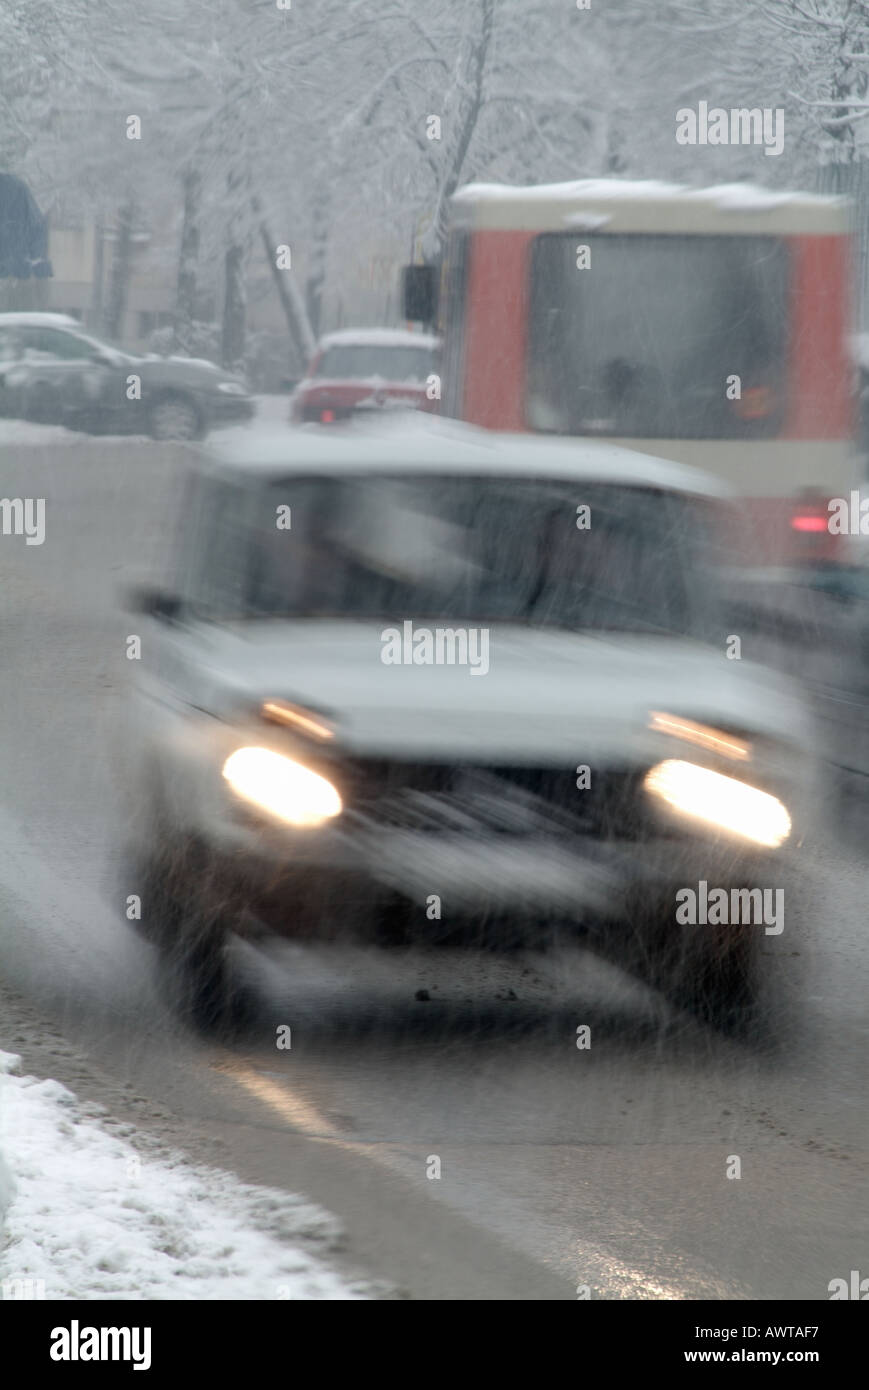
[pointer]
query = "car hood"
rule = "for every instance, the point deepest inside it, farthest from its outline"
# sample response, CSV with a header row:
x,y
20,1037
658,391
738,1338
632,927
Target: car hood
x,y
545,695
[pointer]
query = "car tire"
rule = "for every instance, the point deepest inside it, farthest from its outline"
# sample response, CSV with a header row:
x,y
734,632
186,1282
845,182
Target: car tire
x,y
718,974
721,983
190,922
203,985
175,417
850,804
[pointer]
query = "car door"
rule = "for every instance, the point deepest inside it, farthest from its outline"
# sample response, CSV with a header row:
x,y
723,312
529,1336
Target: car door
x,y
211,559
62,378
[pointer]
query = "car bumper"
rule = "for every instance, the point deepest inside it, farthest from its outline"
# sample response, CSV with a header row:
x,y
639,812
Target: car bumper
x,y
584,883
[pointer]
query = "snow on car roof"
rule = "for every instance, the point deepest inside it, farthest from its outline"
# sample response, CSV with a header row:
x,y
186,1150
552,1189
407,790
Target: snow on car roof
x,y
727,194
649,205
421,444
576,188
38,320
379,337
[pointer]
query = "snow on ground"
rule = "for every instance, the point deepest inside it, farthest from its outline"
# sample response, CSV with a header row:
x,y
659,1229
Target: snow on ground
x,y
101,1211
20,432
274,409
7,1190
271,409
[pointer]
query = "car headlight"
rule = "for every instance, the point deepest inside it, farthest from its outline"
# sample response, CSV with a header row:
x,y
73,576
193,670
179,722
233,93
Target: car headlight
x,y
231,388
715,740
720,801
281,786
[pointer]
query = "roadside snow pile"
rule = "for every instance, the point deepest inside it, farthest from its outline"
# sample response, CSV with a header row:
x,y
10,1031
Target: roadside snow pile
x,y
7,1190
90,1216
22,432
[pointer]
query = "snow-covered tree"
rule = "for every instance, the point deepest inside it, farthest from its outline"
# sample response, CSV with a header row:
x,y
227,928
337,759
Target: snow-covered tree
x,y
341,130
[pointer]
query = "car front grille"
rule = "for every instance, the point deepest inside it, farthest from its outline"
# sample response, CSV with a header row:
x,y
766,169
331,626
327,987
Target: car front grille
x,y
493,799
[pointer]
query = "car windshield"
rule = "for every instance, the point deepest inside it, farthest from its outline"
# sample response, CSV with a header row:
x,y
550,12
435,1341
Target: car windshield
x,y
109,345
364,360
643,339
552,554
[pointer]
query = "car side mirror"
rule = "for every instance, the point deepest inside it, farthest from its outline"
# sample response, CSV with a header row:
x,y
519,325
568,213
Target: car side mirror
x,y
155,603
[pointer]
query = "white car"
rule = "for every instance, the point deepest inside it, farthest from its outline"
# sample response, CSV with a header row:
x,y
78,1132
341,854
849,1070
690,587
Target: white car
x,y
421,683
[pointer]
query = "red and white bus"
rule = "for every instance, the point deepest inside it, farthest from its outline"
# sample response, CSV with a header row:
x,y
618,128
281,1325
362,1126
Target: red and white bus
x,y
708,326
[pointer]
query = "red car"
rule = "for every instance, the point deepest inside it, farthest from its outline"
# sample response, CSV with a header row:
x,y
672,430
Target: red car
x,y
367,369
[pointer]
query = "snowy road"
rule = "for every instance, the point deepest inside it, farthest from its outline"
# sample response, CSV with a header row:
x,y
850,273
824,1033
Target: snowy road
x,y
558,1167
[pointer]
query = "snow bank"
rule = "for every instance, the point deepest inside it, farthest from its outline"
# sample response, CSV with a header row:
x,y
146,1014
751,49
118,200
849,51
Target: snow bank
x,y
98,1211
22,432
7,1191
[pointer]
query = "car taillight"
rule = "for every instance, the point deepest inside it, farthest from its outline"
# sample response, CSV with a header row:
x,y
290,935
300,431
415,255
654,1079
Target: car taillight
x,y
809,526
811,513
808,522
327,417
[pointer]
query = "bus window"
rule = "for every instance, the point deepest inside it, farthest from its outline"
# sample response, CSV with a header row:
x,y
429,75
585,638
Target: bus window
x,y
646,341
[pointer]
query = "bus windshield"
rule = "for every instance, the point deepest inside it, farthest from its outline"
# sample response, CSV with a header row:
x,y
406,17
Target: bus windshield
x,y
657,336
